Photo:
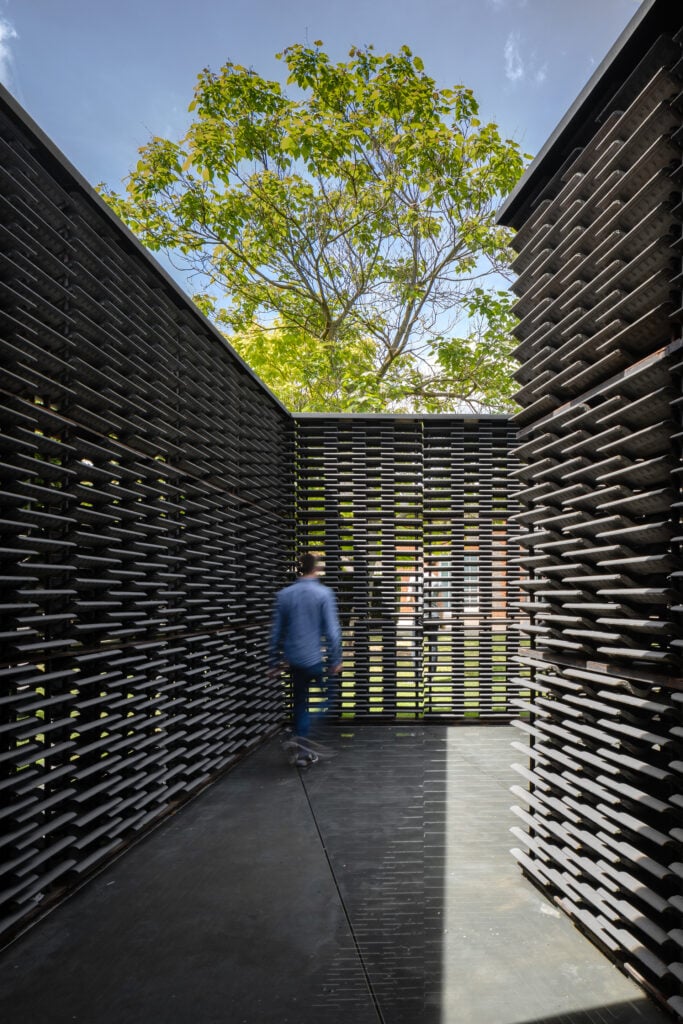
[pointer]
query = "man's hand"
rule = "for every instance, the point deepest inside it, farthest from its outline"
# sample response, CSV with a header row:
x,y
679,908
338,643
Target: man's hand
x,y
336,669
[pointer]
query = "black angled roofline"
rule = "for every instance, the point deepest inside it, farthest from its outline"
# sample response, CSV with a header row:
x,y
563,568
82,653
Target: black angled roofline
x,y
652,18
67,174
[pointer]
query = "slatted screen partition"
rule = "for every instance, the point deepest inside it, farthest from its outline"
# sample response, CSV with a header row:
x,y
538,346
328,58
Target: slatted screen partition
x,y
413,517
146,508
599,282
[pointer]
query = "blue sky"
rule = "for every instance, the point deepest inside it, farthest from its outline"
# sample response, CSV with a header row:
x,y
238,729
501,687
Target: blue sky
x,y
101,77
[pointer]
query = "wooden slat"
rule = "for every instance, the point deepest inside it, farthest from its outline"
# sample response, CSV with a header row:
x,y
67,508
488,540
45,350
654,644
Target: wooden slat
x,y
600,430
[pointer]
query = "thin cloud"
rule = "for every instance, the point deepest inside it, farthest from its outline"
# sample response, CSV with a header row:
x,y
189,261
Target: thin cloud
x,y
7,34
514,65
518,68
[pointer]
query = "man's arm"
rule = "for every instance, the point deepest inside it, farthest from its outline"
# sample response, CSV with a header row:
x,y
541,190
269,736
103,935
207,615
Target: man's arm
x,y
332,632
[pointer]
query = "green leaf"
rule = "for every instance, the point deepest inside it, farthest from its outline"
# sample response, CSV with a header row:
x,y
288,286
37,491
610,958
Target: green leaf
x,y
320,240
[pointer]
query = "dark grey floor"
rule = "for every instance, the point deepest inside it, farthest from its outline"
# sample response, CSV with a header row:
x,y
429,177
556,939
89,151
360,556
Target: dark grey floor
x,y
376,887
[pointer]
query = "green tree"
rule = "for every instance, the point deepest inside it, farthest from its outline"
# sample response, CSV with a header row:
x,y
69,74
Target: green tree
x,y
343,237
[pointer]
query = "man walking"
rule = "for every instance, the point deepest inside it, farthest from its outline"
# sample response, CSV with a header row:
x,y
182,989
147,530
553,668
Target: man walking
x,y
304,613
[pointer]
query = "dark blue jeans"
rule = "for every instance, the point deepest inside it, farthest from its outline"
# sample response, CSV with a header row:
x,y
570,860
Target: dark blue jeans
x,y
303,677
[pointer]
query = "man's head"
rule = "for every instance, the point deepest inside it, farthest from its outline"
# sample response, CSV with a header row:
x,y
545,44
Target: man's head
x,y
308,564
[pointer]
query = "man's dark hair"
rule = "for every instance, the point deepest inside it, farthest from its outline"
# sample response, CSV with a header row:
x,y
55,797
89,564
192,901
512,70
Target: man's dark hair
x,y
308,563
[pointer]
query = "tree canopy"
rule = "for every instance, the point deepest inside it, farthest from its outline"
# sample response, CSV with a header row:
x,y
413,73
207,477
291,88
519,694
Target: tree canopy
x,y
343,237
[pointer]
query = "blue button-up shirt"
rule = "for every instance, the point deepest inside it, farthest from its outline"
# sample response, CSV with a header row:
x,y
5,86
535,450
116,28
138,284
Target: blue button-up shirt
x,y
305,612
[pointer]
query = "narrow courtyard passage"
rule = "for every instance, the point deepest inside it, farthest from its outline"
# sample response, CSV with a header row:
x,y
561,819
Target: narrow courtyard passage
x,y
376,887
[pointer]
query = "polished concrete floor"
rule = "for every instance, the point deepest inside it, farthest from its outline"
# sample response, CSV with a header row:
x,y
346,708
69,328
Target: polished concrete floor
x,y
375,887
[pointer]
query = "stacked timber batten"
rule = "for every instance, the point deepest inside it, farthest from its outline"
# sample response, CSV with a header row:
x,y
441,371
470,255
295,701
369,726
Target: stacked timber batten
x,y
599,286
147,479
414,515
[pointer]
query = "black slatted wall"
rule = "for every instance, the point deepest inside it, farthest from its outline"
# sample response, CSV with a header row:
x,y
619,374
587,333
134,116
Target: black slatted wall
x,y
146,514
600,299
412,515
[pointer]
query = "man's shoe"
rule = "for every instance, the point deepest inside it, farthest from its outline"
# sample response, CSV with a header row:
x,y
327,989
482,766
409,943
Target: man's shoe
x,y
306,760
290,745
309,746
